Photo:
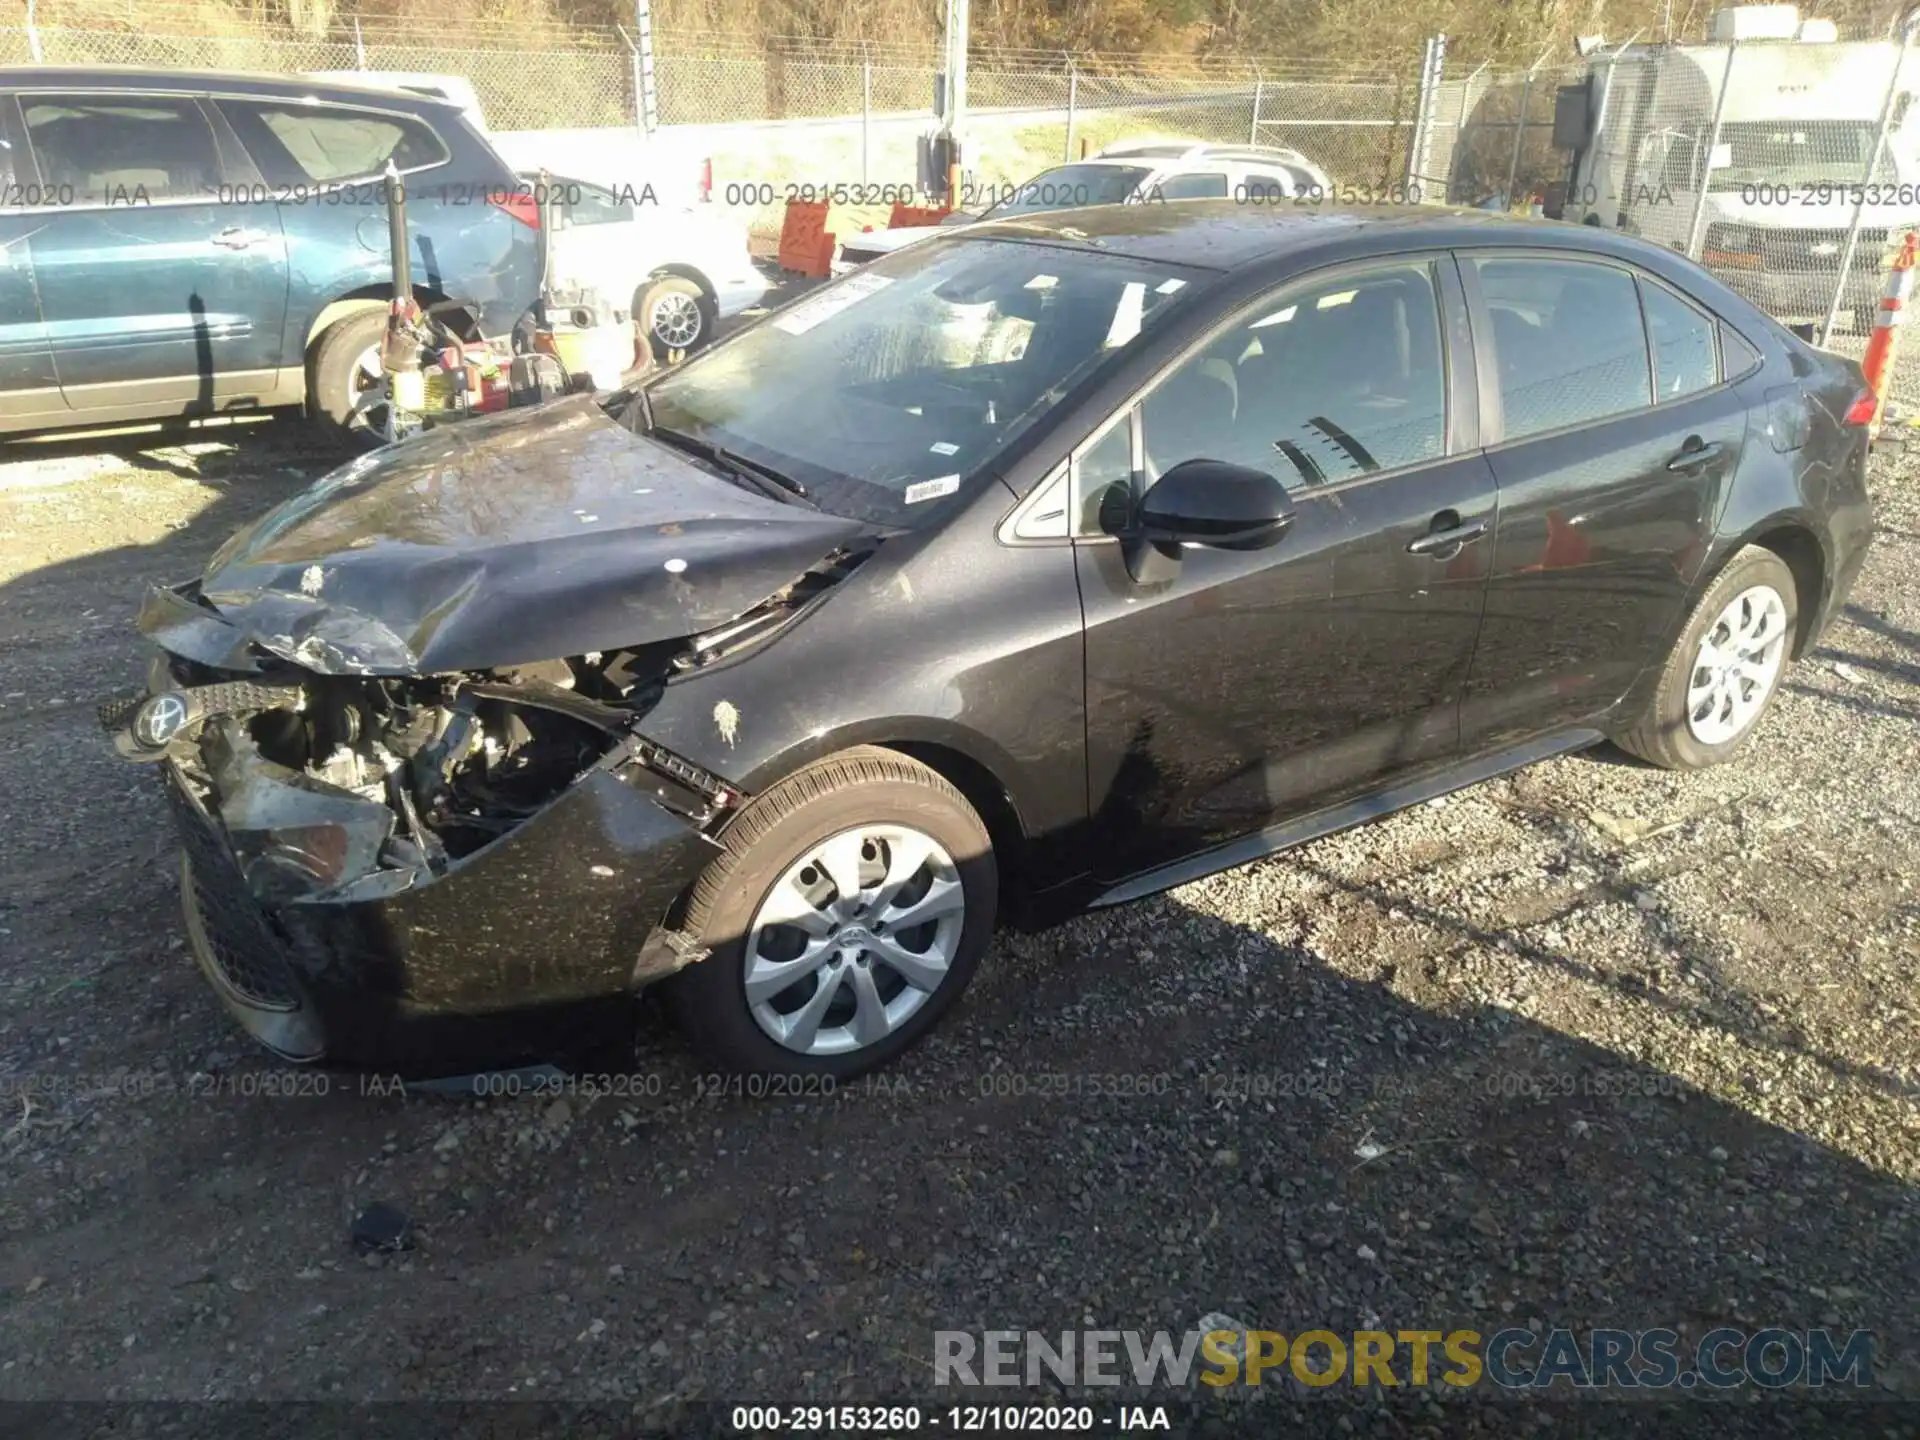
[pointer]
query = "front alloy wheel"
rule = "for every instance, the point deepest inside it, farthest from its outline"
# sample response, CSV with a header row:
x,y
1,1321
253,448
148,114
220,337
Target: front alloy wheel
x,y
848,908
853,939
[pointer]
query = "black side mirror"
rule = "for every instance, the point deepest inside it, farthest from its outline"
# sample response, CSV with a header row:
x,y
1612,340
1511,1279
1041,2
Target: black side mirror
x,y
1205,502
1209,502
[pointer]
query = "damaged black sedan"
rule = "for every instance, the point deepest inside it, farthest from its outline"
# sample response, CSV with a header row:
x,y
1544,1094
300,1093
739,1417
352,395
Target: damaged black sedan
x,y
1044,565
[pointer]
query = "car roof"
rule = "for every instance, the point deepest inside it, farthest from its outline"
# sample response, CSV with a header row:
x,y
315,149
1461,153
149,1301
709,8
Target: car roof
x,y
232,82
1228,235
1132,162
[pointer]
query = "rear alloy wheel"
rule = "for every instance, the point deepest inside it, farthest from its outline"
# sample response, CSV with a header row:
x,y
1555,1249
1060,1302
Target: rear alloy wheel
x,y
1726,669
849,909
343,374
675,314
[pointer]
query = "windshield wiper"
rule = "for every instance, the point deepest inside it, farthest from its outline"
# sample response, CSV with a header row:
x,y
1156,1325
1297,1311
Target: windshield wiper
x,y
764,478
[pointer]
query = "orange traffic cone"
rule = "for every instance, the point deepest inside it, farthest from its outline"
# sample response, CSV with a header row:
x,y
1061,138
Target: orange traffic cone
x,y
1885,342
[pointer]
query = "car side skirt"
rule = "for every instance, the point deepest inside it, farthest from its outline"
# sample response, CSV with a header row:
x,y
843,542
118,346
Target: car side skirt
x,y
1344,816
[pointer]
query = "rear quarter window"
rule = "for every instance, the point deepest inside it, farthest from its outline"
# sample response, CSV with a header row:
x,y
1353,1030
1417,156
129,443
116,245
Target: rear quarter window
x,y
1685,358
296,144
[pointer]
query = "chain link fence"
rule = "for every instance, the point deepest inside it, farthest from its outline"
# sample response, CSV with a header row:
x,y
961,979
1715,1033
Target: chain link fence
x,y
1790,169
519,88
1025,108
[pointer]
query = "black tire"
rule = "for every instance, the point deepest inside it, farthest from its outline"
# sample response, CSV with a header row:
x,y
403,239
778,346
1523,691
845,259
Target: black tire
x,y
1661,735
650,296
863,786
330,370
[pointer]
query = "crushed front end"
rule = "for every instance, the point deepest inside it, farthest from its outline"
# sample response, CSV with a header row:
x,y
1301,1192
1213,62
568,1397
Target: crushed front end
x,y
426,874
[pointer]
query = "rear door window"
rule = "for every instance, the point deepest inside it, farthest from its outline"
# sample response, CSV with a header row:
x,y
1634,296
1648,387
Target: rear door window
x,y
122,149
589,204
1266,187
1568,343
1198,185
296,144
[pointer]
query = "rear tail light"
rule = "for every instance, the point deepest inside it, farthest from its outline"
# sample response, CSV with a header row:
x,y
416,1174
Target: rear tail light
x,y
706,179
1860,412
520,204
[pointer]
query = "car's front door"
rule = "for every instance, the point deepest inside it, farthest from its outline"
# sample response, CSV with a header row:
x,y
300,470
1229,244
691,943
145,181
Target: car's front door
x,y
1613,455
1256,685
29,390
162,273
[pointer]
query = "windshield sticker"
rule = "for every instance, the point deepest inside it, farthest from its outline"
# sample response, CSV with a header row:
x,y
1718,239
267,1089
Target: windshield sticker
x,y
944,447
1127,316
1167,287
819,308
932,489
1043,282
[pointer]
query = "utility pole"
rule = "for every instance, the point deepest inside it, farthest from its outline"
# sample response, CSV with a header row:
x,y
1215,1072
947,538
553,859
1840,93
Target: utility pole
x,y
956,96
956,41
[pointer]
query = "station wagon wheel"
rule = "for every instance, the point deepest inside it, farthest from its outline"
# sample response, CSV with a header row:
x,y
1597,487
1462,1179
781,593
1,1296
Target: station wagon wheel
x,y
366,405
847,911
1724,669
343,376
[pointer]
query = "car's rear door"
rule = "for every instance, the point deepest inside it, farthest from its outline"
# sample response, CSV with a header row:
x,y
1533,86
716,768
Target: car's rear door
x,y
1254,686
162,276
1613,451
472,229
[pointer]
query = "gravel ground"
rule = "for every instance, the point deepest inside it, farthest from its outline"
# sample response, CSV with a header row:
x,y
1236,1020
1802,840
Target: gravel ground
x,y
1589,1045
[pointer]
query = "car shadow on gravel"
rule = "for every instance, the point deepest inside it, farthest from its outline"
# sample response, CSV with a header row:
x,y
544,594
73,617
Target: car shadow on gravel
x,y
1148,1115
1305,1150
1722,1007
1142,1118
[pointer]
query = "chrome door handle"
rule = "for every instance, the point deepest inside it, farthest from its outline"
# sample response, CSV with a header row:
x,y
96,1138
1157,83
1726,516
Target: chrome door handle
x,y
1447,539
1694,456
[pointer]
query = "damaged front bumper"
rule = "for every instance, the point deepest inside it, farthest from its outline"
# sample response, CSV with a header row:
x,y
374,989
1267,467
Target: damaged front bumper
x,y
346,911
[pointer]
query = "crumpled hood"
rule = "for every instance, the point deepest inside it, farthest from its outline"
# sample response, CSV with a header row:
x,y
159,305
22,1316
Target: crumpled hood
x,y
528,535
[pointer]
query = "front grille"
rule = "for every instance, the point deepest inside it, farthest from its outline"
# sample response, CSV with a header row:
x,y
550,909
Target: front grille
x,y
240,941
112,714
1792,250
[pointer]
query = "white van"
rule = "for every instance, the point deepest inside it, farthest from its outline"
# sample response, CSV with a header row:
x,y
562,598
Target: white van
x,y
1797,130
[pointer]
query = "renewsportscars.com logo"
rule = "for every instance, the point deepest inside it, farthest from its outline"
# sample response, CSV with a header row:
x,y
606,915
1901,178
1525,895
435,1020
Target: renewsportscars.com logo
x,y
1513,1359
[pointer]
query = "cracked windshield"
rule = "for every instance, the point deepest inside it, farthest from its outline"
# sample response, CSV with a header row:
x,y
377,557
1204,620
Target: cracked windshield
x,y
885,391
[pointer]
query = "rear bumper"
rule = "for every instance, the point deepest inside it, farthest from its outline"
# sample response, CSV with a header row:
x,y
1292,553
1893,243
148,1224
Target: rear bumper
x,y
504,958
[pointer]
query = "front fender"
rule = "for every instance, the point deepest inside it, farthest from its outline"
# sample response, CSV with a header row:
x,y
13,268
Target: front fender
x,y
980,653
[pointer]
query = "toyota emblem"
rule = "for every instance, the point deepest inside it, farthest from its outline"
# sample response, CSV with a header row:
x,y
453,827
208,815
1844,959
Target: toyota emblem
x,y
159,720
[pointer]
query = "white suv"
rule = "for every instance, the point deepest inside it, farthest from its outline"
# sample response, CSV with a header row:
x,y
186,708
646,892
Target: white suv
x,y
1131,173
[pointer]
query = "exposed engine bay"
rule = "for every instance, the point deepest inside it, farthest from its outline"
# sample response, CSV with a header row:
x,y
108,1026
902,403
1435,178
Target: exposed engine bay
x,y
358,786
